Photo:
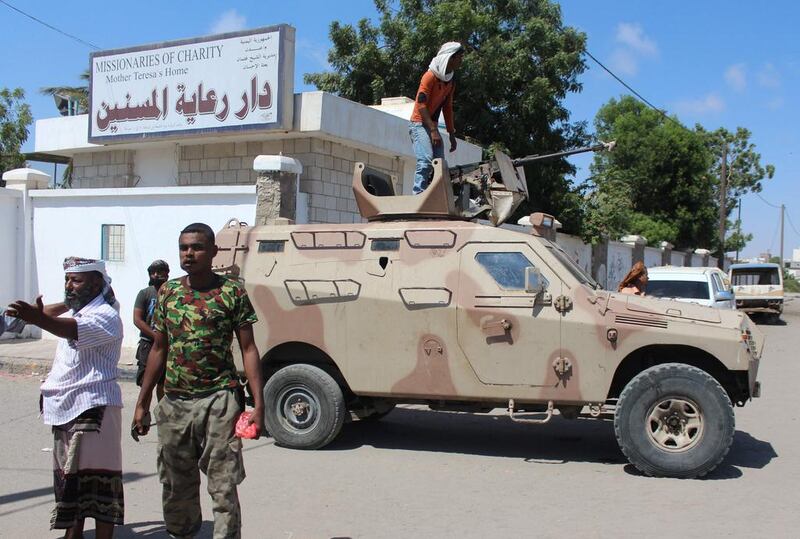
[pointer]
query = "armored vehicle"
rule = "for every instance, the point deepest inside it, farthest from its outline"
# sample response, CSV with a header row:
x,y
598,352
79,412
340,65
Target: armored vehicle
x,y
422,304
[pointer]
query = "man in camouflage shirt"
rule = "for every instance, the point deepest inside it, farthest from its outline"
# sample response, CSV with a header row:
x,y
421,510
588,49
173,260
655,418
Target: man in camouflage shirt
x,y
194,322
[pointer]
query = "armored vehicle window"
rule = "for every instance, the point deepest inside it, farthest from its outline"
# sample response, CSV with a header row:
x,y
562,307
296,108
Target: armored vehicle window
x,y
271,246
389,244
507,269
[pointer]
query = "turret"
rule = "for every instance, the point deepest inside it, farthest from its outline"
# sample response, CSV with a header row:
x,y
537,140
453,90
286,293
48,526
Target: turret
x,y
495,188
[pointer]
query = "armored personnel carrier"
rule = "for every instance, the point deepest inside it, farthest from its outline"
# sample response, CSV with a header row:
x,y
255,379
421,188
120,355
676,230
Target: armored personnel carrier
x,y
422,304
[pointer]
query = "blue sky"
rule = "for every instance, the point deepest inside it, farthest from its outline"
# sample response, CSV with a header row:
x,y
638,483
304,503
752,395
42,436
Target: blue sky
x,y
717,63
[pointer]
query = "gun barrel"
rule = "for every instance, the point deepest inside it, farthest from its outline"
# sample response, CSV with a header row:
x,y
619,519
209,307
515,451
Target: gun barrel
x,y
602,146
607,146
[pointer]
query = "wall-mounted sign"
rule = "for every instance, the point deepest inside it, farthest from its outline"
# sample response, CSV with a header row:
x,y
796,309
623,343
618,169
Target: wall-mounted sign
x,y
228,82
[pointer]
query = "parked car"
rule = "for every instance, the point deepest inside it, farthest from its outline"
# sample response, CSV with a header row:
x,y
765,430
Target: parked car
x,y
758,288
704,286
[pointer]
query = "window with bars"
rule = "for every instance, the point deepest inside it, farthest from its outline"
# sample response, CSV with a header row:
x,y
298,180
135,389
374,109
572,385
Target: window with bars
x,y
113,247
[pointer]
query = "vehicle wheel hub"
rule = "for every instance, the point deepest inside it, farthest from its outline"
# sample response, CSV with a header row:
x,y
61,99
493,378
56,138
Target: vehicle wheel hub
x,y
675,424
299,408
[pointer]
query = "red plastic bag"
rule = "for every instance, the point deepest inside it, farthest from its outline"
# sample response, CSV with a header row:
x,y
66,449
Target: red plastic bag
x,y
245,429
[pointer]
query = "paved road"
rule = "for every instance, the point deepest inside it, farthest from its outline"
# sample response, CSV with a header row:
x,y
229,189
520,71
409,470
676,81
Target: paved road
x,y
427,474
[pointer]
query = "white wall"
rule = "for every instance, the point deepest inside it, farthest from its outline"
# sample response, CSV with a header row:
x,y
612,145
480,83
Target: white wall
x,y
578,251
620,260
677,258
697,260
156,166
10,246
68,223
652,257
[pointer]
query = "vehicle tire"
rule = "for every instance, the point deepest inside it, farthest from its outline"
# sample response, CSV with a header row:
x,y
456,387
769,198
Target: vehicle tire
x,y
674,420
303,407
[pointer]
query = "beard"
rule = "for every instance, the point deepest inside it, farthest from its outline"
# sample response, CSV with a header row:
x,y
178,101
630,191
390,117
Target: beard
x,y
157,282
78,300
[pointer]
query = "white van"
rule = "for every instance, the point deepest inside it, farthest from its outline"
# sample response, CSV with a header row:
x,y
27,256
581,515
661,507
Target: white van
x,y
704,286
758,288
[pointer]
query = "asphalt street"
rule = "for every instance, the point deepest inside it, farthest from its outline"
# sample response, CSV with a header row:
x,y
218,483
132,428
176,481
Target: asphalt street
x,y
419,473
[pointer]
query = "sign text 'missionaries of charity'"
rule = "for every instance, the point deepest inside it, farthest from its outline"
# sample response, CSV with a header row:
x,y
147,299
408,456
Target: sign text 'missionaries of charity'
x,y
220,83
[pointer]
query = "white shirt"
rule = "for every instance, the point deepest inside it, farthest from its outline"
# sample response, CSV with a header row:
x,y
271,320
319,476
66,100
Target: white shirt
x,y
84,373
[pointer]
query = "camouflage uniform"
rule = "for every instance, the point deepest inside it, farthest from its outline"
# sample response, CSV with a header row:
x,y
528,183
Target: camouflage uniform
x,y
202,401
196,435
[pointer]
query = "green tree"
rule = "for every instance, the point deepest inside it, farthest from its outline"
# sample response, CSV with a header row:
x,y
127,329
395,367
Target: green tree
x,y
744,174
790,282
80,94
520,64
15,119
661,168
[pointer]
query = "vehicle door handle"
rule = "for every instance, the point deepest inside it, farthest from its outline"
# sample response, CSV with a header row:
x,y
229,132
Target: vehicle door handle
x,y
503,324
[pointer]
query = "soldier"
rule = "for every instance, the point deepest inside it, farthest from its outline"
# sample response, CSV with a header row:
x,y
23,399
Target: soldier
x,y
194,321
435,95
143,309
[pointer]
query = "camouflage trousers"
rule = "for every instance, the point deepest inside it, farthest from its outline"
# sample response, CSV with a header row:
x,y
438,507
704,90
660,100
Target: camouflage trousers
x,y
196,435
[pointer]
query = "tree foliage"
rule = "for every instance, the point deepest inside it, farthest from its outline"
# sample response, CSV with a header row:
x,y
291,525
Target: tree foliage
x,y
80,94
744,174
661,168
15,119
520,64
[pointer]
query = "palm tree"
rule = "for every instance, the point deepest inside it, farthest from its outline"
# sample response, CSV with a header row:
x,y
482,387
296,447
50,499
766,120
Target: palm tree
x,y
79,94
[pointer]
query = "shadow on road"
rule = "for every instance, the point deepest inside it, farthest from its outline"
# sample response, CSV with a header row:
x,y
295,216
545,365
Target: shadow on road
x,y
558,442
745,452
48,490
765,320
153,528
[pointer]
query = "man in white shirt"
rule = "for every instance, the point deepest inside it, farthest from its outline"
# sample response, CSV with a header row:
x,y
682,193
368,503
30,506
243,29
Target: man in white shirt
x,y
82,400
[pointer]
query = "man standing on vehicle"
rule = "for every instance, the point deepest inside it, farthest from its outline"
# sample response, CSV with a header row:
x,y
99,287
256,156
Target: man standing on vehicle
x,y
194,321
435,95
143,309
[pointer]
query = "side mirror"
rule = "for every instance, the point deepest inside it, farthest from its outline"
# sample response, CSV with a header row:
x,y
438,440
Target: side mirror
x,y
723,296
534,283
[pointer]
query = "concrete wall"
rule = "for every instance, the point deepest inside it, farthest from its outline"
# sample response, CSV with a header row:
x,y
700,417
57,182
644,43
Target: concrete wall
x,y
109,168
620,260
652,256
578,251
326,179
10,246
153,219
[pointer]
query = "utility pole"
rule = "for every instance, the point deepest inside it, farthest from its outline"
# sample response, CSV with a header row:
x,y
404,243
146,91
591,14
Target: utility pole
x,y
738,226
783,210
723,192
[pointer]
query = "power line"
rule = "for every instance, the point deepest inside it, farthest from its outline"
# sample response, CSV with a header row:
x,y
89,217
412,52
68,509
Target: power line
x,y
789,217
637,94
774,234
50,26
764,200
